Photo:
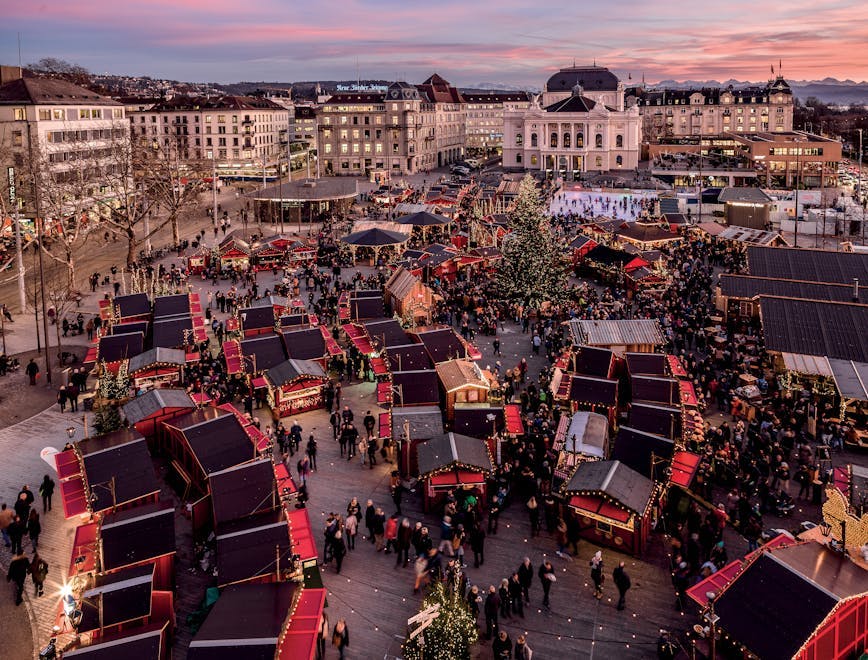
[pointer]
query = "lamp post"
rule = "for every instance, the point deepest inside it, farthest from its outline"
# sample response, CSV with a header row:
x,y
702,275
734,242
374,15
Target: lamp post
x,y
859,189
711,619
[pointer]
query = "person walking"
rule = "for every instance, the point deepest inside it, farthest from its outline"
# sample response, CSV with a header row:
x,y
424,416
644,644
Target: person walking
x,y
402,544
516,595
622,582
38,573
597,574
311,452
7,516
477,544
341,637
525,576
322,636
491,608
351,527
502,646
46,490
16,534
32,371
546,577
18,569
34,528
339,550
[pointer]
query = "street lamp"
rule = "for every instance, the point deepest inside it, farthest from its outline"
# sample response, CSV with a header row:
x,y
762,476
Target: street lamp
x,y
711,619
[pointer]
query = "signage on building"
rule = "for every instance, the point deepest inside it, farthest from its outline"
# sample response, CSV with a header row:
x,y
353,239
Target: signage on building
x,y
11,178
361,88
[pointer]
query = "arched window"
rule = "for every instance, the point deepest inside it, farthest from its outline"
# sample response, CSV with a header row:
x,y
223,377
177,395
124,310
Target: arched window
x,y
598,140
619,160
533,140
619,141
566,140
519,139
553,140
580,140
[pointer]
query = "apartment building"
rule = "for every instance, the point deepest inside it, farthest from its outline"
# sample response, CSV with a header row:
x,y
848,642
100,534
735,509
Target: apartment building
x,y
668,113
403,130
485,118
63,135
247,137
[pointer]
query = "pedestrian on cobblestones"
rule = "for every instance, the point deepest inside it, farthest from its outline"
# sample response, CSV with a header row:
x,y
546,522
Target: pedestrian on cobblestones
x,y
34,528
7,516
38,573
622,582
17,573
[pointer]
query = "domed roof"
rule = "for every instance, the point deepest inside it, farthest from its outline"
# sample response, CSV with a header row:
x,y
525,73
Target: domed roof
x,y
591,78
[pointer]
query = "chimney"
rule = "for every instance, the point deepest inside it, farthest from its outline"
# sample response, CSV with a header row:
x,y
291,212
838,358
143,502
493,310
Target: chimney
x,y
10,73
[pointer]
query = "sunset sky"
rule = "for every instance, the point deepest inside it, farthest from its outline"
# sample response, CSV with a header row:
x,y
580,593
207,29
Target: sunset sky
x,y
507,41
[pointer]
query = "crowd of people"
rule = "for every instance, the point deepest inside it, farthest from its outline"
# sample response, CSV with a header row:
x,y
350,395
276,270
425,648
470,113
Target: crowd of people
x,y
22,521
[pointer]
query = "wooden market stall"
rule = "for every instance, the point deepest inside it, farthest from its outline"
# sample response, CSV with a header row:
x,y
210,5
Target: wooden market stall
x,y
145,411
146,643
613,503
296,386
253,548
453,461
233,252
621,336
462,381
408,297
156,368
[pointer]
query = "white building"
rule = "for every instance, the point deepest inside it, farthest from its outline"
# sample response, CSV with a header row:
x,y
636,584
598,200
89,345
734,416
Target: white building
x,y
580,123
485,118
246,136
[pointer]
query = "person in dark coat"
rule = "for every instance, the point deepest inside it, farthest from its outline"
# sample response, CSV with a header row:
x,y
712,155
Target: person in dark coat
x,y
370,514
18,570
622,582
339,550
16,533
597,574
34,528
525,576
516,595
402,543
503,594
46,490
477,544
492,607
502,647
38,573
546,577
341,637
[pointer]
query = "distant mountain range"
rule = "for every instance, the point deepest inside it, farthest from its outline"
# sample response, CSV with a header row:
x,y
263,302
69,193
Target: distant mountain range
x,y
828,90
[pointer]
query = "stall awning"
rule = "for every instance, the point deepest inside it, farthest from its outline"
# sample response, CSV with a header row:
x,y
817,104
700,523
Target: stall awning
x,y
385,425
379,366
200,398
688,394
300,534
67,464
676,368
74,498
809,365
468,260
714,582
331,345
512,419
232,355
284,481
684,465
462,477
299,640
84,546
232,324
384,393
359,338
259,383
600,507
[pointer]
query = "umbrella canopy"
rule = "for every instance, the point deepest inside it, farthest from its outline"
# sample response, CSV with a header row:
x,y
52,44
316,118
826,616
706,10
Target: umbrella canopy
x,y
374,238
424,219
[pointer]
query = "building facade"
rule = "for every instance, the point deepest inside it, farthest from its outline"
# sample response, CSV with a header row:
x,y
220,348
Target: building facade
x,y
63,136
246,137
404,130
580,123
674,113
790,159
485,118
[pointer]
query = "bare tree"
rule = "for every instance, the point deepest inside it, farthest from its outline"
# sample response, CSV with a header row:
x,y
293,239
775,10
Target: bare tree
x,y
56,68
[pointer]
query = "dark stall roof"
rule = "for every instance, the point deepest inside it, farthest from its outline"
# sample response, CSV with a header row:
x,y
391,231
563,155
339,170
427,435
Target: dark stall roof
x,y
634,448
409,357
811,265
153,401
593,361
472,419
268,350
134,304
442,344
603,254
602,391
292,320
614,479
304,344
744,195
834,330
663,420
157,355
246,621
270,301
655,388
132,469
176,305
114,348
388,329
646,363
247,548
289,370
137,534
453,449
851,378
367,308
218,442
129,328
425,422
143,646
366,293
746,286
173,333
256,318
415,388
242,490
122,596
799,586
99,443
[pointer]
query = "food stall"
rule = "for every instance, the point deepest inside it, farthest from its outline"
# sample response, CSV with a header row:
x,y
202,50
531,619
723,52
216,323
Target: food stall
x,y
295,386
156,368
451,461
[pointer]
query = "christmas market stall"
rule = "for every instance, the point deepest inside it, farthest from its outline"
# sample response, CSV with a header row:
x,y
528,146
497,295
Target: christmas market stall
x,y
261,353
462,382
412,388
451,461
233,252
152,644
582,437
295,386
145,412
646,453
410,357
851,381
816,609
112,350
200,260
107,472
374,240
621,336
613,503
600,395
661,420
384,333
309,344
255,547
408,427
257,321
408,297
655,389
270,252
443,343
131,307
156,368
242,490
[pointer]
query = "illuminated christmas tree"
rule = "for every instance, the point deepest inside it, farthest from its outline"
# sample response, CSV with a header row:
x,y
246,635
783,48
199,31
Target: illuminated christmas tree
x,y
451,634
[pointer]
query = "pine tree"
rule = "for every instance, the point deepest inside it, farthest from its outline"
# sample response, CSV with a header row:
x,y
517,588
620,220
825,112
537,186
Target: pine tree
x,y
451,634
530,272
